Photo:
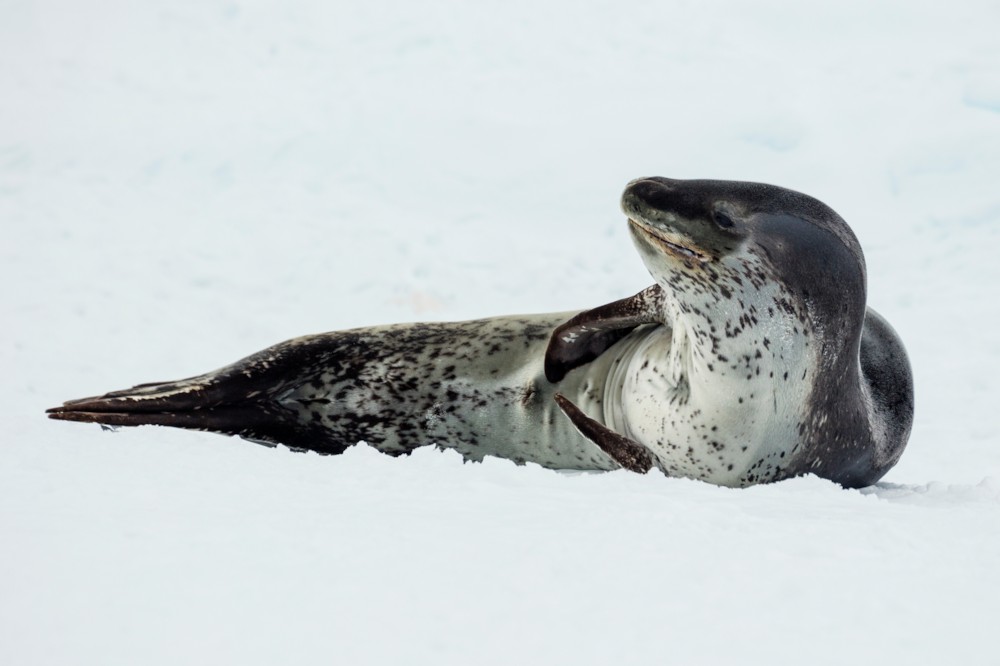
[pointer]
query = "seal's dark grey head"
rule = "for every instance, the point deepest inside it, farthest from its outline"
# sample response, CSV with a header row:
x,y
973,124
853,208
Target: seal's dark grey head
x,y
705,220
725,235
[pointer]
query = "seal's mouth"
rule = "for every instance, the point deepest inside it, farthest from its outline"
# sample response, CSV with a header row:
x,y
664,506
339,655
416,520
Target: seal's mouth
x,y
671,245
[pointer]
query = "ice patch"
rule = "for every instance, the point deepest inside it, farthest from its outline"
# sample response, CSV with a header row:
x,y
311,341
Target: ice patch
x,y
936,493
983,94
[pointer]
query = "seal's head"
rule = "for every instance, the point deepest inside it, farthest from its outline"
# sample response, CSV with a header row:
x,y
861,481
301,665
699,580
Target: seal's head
x,y
710,239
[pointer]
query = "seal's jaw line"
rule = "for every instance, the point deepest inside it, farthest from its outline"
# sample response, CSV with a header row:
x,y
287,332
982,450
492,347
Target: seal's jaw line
x,y
671,244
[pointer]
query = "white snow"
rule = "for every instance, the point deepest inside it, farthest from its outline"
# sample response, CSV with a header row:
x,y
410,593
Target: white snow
x,y
184,183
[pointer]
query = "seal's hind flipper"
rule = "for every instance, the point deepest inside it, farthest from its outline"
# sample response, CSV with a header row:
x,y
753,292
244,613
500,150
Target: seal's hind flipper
x,y
628,453
241,399
589,334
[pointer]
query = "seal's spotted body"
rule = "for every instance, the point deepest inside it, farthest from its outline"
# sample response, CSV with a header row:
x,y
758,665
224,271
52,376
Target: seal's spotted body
x,y
752,359
473,386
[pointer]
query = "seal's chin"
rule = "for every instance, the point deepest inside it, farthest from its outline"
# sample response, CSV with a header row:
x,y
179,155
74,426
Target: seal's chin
x,y
671,245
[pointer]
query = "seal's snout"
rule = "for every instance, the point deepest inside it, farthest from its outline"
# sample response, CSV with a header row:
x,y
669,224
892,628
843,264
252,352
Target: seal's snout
x,y
644,195
683,219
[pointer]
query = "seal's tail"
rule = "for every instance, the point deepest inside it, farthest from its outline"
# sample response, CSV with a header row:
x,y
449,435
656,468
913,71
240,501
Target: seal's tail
x,y
240,399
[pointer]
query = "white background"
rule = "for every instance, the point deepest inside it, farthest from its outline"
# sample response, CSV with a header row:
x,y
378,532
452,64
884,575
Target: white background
x,y
184,183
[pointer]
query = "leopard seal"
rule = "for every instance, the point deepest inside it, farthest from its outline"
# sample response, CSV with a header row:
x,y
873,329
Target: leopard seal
x,y
753,358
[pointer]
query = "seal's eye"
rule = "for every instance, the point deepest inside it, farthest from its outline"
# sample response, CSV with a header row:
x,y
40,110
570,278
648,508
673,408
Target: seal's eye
x,y
723,220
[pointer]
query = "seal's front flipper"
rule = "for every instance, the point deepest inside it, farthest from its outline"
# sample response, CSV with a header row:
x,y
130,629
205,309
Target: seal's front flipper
x,y
628,453
589,334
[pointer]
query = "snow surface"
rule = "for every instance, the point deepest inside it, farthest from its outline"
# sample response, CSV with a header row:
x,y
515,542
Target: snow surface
x,y
183,183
